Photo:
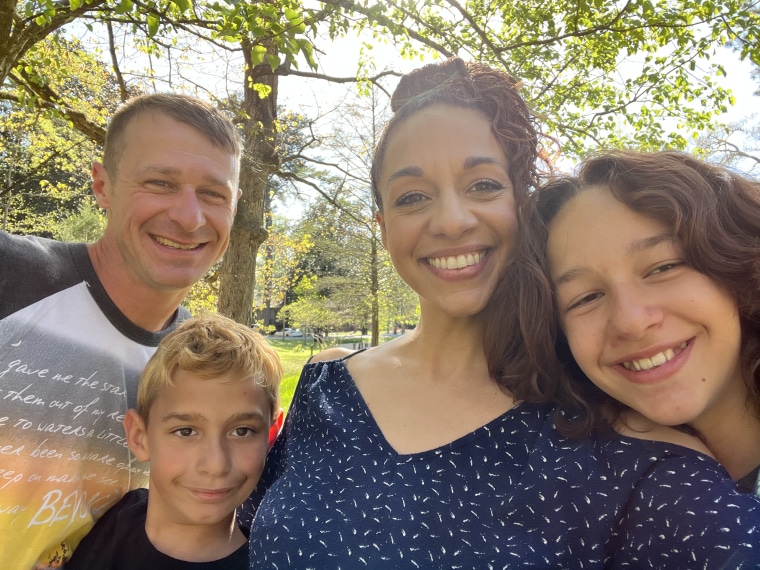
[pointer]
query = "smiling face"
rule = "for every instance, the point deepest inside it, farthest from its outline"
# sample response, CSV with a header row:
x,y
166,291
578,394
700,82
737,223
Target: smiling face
x,y
448,218
206,441
170,204
644,326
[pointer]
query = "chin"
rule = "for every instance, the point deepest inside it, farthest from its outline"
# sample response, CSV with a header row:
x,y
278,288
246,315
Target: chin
x,y
670,419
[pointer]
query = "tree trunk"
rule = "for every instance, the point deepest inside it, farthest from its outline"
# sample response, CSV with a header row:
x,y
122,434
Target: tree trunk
x,y
237,274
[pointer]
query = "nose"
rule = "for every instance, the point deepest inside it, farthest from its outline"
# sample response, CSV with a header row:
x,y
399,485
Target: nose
x,y
451,216
214,458
187,210
633,313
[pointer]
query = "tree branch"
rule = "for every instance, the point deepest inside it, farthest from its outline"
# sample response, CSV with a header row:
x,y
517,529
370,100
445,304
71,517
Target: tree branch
x,y
51,100
395,28
295,178
115,62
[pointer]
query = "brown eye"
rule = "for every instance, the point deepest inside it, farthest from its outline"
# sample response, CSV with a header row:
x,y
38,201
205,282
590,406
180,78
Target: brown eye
x,y
410,198
486,185
585,300
665,267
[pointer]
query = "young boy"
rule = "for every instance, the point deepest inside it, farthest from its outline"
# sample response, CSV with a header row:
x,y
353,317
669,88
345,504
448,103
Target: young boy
x,y
206,403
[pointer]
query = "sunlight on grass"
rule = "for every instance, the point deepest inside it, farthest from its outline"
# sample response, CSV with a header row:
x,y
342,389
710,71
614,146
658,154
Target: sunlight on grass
x,y
293,353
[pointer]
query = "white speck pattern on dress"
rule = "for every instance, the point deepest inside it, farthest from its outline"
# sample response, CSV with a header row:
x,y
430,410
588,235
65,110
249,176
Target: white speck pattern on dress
x,y
511,494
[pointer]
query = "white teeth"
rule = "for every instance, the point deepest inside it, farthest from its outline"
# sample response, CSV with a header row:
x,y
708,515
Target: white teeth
x,y
658,359
458,262
175,245
654,361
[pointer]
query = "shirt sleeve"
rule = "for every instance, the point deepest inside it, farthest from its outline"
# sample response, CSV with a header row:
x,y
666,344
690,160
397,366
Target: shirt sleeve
x,y
687,513
103,542
277,459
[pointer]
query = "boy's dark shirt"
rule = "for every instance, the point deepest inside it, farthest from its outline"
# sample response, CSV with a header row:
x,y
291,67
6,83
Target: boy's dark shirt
x,y
119,542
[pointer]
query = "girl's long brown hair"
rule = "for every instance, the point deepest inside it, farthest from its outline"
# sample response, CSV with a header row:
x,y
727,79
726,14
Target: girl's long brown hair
x,y
715,217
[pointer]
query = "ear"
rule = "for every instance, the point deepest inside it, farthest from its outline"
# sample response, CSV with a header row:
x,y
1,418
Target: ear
x,y
274,430
101,185
137,435
237,199
381,222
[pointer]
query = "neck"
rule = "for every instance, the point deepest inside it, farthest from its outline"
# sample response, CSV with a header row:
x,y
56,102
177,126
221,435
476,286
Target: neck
x,y
145,307
446,349
194,543
733,436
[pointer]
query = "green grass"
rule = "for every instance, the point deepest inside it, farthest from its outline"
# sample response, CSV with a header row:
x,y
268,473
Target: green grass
x,y
293,353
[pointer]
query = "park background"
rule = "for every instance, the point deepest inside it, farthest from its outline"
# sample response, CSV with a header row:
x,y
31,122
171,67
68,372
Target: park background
x,y
308,83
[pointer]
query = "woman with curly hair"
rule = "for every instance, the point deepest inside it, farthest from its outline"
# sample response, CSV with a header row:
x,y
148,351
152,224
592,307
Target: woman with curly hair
x,y
410,454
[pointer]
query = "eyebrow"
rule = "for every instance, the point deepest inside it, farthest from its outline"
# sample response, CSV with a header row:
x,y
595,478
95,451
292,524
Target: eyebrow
x,y
632,248
474,161
196,417
469,163
183,417
647,243
413,171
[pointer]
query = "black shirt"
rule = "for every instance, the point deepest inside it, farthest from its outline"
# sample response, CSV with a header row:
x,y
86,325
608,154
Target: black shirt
x,y
119,542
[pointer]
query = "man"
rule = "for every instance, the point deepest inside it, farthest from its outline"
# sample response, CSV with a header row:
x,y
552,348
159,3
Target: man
x,y
78,323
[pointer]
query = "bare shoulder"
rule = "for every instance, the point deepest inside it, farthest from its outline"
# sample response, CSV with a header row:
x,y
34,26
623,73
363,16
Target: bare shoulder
x,y
633,424
331,354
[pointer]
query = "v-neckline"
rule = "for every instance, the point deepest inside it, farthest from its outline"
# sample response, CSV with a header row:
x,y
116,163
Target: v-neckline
x,y
354,393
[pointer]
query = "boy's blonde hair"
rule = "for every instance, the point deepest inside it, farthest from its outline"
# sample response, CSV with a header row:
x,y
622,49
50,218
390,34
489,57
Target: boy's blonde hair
x,y
209,347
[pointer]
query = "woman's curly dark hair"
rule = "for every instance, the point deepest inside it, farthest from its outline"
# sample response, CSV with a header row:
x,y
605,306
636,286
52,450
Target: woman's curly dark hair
x,y
474,86
715,217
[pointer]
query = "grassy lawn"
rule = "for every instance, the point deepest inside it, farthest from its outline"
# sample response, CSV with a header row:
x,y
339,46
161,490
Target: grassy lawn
x,y
294,352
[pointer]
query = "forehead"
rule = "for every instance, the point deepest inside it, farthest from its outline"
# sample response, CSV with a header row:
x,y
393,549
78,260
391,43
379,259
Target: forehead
x,y
151,135
440,135
189,387
593,223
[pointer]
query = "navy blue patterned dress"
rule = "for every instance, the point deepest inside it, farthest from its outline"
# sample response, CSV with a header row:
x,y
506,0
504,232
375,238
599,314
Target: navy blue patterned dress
x,y
511,494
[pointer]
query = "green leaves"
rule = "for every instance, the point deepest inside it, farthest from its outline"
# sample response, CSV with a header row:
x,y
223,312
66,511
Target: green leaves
x,y
183,5
153,22
257,54
620,73
124,7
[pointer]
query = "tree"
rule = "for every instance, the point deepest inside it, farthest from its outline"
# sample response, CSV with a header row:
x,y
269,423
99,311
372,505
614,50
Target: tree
x,y
279,268
596,72
44,171
352,143
312,311
347,277
86,225
743,43
46,164
399,305
734,145
334,270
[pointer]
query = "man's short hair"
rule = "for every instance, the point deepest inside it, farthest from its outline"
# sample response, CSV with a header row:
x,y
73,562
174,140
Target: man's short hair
x,y
210,347
198,114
